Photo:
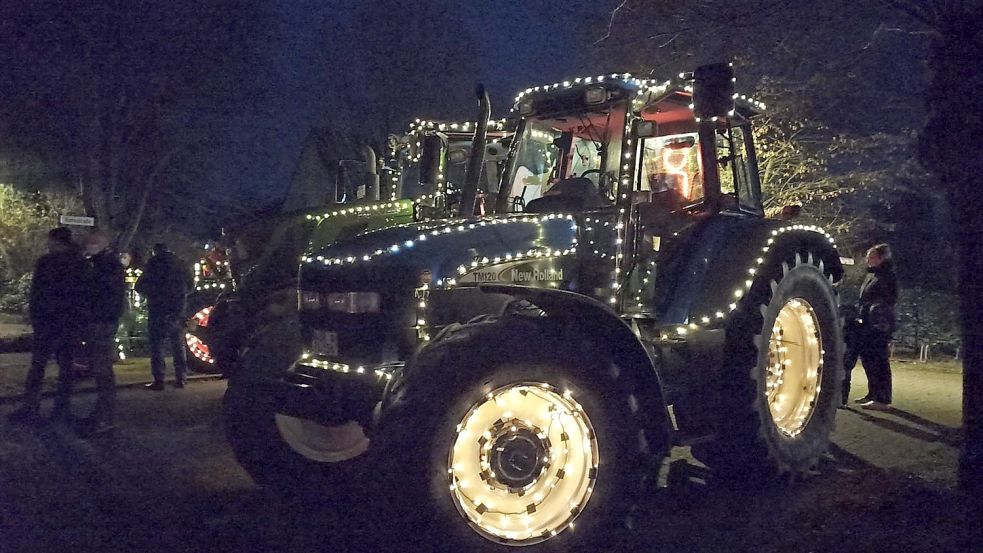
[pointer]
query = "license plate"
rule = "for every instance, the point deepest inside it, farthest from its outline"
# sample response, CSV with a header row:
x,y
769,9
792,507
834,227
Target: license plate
x,y
325,342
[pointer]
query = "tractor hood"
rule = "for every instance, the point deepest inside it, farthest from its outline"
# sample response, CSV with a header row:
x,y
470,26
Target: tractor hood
x,y
456,251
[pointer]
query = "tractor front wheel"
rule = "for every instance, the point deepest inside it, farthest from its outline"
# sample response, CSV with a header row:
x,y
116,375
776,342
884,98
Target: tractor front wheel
x,y
531,447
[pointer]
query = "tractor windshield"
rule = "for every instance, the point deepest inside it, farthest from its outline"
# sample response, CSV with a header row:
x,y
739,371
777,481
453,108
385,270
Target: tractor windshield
x,y
452,155
573,153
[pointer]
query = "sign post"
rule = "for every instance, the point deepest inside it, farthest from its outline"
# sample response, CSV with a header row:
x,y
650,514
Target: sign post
x,y
77,220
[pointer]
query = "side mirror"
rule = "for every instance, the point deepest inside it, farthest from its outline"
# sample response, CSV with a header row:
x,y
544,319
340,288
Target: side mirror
x,y
713,91
430,159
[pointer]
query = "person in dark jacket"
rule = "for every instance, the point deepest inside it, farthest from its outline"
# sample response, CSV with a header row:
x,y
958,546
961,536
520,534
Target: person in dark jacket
x,y
107,302
58,310
874,327
165,282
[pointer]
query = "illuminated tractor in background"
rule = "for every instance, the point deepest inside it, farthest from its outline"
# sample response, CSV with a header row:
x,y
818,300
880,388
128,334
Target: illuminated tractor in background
x,y
212,278
514,378
420,177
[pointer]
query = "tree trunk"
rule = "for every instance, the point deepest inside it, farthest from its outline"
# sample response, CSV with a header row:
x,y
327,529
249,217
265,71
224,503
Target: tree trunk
x,y
948,146
970,236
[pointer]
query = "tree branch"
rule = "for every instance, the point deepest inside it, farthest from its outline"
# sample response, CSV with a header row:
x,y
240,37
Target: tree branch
x,y
614,13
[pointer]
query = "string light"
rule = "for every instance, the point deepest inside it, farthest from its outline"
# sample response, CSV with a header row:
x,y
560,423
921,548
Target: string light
x,y
394,207
310,360
650,86
398,247
739,293
527,506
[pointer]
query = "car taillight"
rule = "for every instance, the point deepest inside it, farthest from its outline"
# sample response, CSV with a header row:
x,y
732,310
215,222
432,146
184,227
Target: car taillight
x,y
201,317
353,302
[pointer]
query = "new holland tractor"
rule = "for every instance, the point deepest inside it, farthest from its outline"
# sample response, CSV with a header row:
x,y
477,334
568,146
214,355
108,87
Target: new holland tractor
x,y
515,377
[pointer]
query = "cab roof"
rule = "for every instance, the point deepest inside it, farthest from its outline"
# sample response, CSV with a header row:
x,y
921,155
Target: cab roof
x,y
649,96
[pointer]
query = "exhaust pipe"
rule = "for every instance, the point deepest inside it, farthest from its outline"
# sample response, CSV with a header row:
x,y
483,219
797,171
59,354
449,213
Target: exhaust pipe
x,y
469,191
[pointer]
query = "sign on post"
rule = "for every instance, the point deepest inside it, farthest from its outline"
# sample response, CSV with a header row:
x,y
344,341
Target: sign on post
x,y
77,220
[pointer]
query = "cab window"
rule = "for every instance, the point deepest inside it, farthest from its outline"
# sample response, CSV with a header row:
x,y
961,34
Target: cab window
x,y
736,171
671,165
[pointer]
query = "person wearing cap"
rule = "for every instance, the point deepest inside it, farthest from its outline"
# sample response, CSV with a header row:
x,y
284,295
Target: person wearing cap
x,y
58,310
165,282
106,304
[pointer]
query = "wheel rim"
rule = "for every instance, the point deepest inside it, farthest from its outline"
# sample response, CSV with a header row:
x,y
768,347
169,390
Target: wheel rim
x,y
523,464
795,364
324,444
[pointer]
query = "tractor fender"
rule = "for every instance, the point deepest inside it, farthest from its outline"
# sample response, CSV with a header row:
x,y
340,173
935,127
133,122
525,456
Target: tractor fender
x,y
592,319
790,241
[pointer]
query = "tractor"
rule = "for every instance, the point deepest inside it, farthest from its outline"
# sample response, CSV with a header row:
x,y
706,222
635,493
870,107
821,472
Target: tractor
x,y
516,376
421,177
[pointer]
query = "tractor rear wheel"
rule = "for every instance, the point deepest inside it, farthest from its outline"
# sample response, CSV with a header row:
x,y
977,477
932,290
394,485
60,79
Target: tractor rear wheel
x,y
782,385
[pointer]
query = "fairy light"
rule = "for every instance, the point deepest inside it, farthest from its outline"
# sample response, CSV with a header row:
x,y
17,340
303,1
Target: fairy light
x,y
310,360
198,348
393,207
740,292
650,86
399,247
546,500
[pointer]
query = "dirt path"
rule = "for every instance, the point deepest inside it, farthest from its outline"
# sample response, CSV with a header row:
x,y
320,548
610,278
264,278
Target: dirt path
x,y
920,434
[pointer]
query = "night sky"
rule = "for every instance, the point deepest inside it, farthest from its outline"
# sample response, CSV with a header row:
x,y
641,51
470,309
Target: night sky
x,y
244,81
307,78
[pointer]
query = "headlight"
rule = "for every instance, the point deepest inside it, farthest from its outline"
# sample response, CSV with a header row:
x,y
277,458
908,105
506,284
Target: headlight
x,y
344,302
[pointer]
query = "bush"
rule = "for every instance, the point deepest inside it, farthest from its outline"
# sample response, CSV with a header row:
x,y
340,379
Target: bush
x,y
27,217
15,294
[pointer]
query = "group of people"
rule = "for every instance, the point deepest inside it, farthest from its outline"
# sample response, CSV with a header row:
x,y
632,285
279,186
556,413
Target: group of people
x,y
78,295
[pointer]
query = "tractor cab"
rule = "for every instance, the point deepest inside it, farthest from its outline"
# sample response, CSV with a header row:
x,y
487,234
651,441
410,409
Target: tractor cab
x,y
427,164
618,140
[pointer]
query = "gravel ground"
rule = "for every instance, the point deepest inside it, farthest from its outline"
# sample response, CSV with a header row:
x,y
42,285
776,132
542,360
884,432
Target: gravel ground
x,y
166,481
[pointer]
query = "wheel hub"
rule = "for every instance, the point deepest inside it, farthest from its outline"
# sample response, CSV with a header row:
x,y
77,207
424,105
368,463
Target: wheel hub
x,y
523,464
517,456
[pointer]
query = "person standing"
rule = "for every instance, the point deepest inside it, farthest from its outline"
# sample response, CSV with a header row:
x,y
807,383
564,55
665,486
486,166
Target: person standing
x,y
57,310
164,283
876,318
107,302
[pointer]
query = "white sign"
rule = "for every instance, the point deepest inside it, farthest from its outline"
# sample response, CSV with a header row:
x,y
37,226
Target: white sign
x,y
78,220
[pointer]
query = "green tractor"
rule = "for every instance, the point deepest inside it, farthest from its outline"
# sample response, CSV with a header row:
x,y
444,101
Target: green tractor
x,y
514,378
420,178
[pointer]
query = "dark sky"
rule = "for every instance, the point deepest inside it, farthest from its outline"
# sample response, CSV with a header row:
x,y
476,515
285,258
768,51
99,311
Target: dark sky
x,y
305,76
246,80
